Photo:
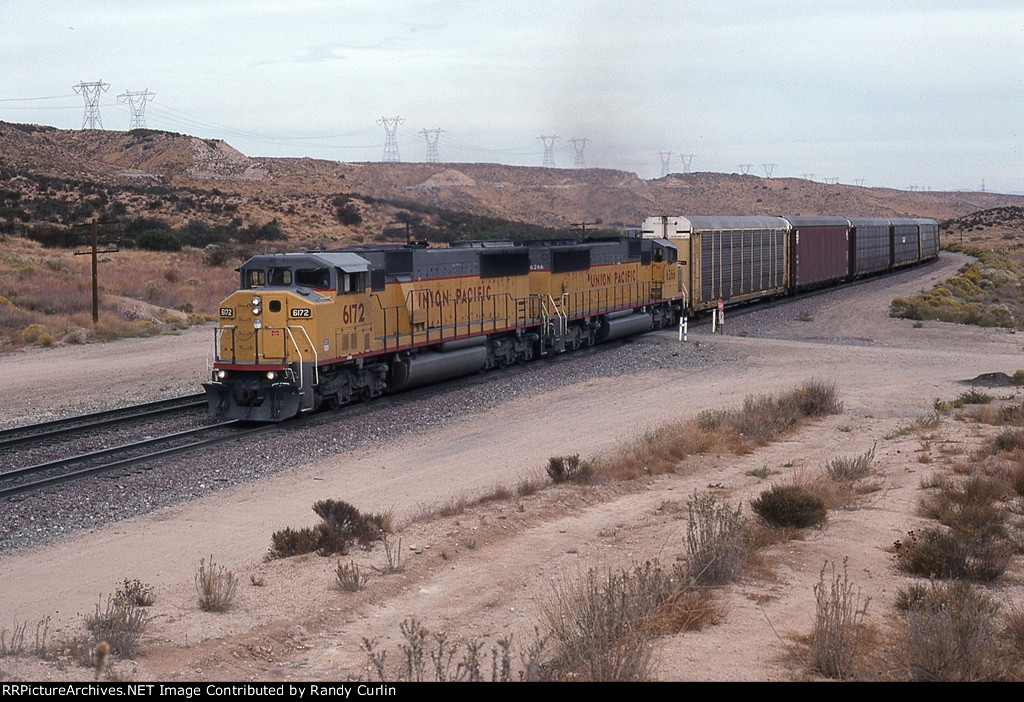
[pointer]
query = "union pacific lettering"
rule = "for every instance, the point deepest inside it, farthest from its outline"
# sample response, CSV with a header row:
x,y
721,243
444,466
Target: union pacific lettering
x,y
426,298
604,279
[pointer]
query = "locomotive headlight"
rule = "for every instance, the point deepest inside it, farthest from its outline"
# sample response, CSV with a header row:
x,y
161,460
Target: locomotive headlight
x,y
256,310
271,375
221,374
257,301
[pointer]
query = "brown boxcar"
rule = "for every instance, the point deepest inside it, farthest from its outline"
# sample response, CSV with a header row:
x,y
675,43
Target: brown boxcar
x,y
819,251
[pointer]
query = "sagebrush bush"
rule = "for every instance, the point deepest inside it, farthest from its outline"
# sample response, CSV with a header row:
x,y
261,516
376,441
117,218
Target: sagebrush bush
x,y
349,576
790,506
135,593
952,635
569,469
120,624
216,586
838,623
289,542
602,626
340,525
848,469
714,541
945,554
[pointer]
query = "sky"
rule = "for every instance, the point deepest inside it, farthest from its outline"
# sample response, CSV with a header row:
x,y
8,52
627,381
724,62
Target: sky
x,y
925,95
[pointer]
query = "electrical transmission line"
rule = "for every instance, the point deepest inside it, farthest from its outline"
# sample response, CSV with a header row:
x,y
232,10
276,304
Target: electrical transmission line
x,y
665,157
137,104
431,136
91,93
549,150
578,145
391,142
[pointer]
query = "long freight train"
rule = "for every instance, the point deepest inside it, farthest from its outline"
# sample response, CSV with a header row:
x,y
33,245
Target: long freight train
x,y
324,328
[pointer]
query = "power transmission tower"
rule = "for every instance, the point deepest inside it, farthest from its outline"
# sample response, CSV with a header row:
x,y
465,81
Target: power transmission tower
x,y
745,168
687,160
769,168
665,157
391,142
431,136
859,182
578,145
137,104
91,93
549,150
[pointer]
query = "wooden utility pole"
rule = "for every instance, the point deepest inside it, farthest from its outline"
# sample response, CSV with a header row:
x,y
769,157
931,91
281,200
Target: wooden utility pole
x,y
94,226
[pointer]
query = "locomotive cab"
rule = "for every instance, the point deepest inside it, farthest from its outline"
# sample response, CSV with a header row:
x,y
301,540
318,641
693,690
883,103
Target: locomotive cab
x,y
292,313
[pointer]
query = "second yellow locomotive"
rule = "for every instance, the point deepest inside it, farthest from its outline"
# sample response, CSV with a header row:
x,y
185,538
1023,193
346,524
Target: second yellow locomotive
x,y
327,327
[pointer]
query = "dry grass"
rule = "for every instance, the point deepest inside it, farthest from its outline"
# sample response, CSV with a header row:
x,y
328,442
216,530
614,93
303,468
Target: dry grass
x,y
762,419
46,294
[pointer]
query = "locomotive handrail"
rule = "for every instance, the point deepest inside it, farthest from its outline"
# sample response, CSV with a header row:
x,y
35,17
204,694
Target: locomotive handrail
x,y
316,356
217,333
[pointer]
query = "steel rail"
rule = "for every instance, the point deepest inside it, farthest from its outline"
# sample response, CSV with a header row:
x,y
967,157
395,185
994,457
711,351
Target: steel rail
x,y
31,485
24,434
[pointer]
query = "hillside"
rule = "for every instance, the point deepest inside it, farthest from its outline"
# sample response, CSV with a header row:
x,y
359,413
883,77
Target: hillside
x,y
57,177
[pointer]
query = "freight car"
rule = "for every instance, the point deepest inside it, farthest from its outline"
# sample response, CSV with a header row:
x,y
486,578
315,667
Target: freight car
x,y
324,328
735,259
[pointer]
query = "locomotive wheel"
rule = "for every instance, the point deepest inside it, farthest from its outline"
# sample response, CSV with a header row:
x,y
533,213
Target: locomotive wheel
x,y
334,402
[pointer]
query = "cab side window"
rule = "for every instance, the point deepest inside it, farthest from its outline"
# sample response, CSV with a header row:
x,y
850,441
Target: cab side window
x,y
255,279
319,278
351,282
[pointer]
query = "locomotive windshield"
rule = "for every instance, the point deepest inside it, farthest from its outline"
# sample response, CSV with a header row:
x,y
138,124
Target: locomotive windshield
x,y
279,277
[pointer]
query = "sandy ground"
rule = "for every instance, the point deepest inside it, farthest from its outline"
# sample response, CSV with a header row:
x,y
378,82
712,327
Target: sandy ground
x,y
487,572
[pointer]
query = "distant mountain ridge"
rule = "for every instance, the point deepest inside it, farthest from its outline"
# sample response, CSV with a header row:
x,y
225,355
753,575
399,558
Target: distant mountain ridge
x,y
179,178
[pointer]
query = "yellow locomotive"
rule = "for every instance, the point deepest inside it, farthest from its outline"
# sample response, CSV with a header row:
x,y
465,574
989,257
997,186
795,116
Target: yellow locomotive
x,y
328,327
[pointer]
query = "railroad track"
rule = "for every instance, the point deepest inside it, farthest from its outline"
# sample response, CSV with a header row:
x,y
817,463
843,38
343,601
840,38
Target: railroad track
x,y
30,478
60,428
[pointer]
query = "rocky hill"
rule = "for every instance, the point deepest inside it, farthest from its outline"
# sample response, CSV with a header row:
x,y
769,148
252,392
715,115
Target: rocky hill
x,y
58,177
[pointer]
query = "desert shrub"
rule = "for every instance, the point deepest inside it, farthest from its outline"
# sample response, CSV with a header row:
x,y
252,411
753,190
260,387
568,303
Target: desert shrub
x,y
394,560
120,625
13,641
765,417
569,469
789,506
158,240
941,553
952,635
343,522
135,593
340,525
907,596
601,625
349,577
971,506
972,397
818,398
290,542
714,541
838,623
1009,441
845,468
710,420
216,586
1013,627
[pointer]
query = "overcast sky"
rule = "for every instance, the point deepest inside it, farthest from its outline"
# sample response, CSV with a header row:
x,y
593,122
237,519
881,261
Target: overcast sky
x,y
891,93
